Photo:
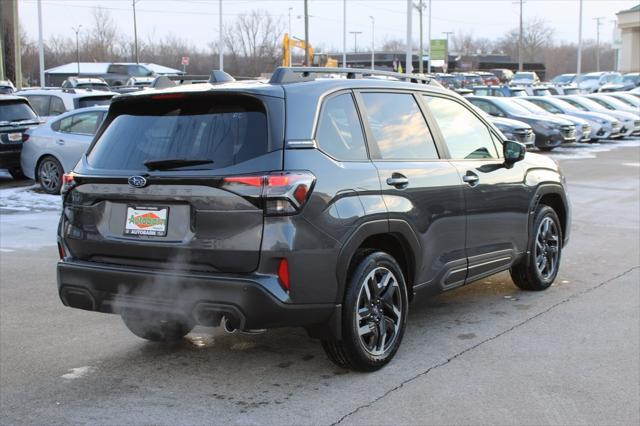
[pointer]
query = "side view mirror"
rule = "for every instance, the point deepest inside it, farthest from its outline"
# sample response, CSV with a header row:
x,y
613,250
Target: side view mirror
x,y
513,152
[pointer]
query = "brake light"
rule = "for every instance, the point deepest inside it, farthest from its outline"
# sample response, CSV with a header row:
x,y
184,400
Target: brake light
x,y
281,193
68,182
61,251
283,274
168,96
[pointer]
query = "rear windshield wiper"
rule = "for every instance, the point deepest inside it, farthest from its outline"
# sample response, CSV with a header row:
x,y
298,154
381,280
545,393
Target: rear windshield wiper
x,y
173,163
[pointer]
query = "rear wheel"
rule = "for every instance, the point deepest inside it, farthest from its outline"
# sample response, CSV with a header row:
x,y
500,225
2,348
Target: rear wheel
x,y
540,267
156,327
50,175
374,314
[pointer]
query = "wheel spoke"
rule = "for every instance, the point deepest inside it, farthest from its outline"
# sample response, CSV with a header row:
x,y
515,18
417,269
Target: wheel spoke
x,y
382,334
366,329
364,313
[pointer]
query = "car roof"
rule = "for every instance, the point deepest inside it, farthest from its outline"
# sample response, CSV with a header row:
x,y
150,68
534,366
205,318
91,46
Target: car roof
x,y
13,98
73,93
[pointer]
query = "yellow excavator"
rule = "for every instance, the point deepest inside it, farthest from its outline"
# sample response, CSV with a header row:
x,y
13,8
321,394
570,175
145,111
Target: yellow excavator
x,y
317,60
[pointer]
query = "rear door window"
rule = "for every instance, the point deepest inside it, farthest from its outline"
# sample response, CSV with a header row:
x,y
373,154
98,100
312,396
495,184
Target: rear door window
x,y
339,131
85,123
399,129
223,133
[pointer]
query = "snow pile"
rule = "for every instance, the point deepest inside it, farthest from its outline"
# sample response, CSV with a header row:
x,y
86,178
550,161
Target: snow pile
x,y
27,199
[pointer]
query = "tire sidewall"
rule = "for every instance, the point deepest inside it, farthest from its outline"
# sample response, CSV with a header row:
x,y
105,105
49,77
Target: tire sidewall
x,y
60,169
350,331
542,213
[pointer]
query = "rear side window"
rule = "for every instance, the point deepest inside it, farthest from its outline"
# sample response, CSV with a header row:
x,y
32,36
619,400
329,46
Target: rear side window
x,y
465,135
339,131
399,129
40,103
225,133
57,106
85,123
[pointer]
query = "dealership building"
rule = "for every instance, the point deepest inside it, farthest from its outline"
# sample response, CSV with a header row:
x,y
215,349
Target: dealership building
x,y
629,27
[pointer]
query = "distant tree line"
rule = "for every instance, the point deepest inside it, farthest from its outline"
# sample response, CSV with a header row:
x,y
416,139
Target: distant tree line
x,y
252,45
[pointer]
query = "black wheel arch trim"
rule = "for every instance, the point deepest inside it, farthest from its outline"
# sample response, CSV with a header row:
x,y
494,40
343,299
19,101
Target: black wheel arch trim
x,y
556,189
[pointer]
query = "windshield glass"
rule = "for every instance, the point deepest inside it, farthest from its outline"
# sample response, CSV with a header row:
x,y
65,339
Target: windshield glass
x,y
222,135
518,93
631,78
511,107
16,111
589,78
531,107
615,78
613,102
565,106
588,104
563,79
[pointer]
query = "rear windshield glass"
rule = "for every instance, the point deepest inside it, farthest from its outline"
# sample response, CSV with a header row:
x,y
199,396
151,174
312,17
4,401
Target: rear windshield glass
x,y
15,111
93,101
216,133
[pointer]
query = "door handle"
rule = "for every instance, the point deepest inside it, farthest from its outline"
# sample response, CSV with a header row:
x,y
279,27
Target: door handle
x,y
471,178
60,141
398,180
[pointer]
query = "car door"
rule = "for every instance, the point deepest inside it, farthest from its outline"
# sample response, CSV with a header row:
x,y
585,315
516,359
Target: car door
x,y
74,134
496,197
420,189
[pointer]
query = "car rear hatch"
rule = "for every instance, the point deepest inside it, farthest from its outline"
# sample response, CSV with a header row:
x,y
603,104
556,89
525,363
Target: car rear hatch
x,y
16,117
157,187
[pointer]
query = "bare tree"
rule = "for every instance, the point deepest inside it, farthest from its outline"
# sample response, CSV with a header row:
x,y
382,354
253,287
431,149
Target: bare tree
x,y
536,35
253,41
393,45
100,40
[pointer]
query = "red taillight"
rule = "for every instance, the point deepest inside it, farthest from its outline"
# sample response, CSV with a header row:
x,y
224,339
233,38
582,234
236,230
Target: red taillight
x,y
61,251
282,193
68,182
168,96
283,274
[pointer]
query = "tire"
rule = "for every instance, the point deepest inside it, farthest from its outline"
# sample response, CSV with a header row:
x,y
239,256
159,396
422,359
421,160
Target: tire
x,y
374,314
539,268
156,327
50,173
545,148
17,173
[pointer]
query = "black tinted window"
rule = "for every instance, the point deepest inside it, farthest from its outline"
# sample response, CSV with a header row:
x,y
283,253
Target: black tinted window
x,y
118,69
339,131
398,126
465,135
93,101
15,111
226,134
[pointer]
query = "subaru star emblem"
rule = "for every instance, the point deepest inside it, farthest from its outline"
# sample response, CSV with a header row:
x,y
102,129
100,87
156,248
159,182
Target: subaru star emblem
x,y
137,181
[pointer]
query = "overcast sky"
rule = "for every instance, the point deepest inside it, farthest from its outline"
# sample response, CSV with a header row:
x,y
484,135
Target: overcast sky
x,y
197,20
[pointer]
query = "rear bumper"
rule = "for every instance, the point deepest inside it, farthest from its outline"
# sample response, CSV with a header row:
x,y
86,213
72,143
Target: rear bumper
x,y
249,302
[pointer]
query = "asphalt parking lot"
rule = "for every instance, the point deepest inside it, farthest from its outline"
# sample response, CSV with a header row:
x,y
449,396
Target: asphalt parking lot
x,y
484,353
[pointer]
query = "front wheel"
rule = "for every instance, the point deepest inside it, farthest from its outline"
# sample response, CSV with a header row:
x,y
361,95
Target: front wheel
x,y
539,268
374,314
156,327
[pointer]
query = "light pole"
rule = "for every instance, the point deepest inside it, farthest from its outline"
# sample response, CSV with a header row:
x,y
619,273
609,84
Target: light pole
x,y
290,35
598,23
40,44
520,56
579,64
446,51
135,30
77,31
306,33
429,63
220,37
355,39
409,51
344,33
373,48
420,7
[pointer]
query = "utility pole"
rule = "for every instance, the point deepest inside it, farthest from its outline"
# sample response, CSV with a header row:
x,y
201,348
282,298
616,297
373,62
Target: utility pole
x,y
355,39
306,34
579,64
77,31
290,35
598,23
373,45
429,63
40,44
420,7
344,33
220,37
409,53
16,45
520,56
135,30
446,53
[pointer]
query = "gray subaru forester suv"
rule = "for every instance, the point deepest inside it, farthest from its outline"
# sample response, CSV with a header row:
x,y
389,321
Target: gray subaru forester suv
x,y
307,201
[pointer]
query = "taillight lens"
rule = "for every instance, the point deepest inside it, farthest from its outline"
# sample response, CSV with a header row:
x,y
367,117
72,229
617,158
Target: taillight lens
x,y
282,193
68,182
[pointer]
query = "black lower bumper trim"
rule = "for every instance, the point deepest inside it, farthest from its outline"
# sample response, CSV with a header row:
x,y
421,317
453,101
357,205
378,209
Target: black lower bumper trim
x,y
200,297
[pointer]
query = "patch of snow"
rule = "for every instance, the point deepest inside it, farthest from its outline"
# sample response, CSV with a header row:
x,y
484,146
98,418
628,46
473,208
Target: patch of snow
x,y
27,199
76,373
589,150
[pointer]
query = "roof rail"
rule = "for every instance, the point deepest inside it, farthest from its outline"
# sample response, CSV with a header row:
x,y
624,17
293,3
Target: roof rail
x,y
284,75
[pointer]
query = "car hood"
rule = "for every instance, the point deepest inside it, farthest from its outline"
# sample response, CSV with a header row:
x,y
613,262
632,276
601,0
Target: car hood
x,y
622,115
534,160
540,118
594,116
572,118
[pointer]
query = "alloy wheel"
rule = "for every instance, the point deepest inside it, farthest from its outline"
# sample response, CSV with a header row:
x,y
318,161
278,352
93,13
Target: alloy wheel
x,y
547,250
50,175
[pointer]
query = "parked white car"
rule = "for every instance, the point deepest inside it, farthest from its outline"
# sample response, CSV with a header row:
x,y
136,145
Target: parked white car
x,y
52,102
